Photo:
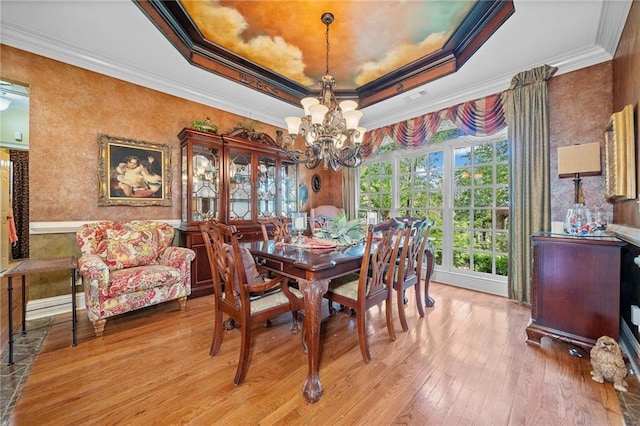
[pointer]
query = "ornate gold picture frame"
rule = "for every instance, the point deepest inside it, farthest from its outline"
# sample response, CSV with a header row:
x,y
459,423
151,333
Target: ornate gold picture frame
x,y
133,172
620,156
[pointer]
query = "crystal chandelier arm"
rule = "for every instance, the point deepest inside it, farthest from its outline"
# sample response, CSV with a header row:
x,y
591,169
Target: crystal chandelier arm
x,y
313,158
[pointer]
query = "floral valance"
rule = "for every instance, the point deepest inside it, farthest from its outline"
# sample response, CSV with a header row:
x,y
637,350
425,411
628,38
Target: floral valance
x,y
481,117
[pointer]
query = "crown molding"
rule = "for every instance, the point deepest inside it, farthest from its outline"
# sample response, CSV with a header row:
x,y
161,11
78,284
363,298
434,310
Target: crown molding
x,y
612,22
237,99
569,62
40,44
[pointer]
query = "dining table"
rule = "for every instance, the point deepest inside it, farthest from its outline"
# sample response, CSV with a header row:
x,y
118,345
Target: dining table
x,y
313,269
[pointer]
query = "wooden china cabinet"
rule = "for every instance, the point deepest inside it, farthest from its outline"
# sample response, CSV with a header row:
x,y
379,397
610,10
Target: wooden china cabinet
x,y
235,178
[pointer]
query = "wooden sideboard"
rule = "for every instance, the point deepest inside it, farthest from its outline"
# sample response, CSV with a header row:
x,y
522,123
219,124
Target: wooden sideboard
x,y
575,288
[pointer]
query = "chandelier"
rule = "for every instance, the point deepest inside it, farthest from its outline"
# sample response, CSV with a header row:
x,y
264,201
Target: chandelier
x,y
329,129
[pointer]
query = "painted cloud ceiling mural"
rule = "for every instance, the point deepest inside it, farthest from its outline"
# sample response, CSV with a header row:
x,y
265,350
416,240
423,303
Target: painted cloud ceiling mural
x,y
368,39
377,48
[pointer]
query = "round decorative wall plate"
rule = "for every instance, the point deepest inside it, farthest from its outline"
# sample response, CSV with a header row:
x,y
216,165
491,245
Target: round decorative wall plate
x,y
304,193
315,183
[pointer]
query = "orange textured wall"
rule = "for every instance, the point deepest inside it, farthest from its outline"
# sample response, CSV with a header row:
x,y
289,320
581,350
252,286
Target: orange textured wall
x,y
580,105
626,90
330,189
69,107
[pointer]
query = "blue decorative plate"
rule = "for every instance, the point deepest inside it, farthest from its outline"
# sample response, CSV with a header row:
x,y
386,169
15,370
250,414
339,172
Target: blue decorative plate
x,y
303,192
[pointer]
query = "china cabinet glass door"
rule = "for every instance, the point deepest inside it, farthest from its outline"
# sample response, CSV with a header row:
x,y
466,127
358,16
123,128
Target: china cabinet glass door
x,y
240,191
288,188
205,176
266,186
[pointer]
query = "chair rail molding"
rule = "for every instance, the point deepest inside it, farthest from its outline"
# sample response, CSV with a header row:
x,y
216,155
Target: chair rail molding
x,y
626,233
37,228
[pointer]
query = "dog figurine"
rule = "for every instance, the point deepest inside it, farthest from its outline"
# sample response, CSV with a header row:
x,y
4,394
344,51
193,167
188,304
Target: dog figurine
x,y
607,363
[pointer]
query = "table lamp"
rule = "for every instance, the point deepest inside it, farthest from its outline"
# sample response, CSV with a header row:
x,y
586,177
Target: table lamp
x,y
579,160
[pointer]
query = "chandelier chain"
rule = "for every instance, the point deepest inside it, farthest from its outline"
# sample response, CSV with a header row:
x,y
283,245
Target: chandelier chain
x,y
327,44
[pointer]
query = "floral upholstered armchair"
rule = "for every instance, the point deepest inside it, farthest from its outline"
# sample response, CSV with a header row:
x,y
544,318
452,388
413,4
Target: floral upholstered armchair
x,y
130,265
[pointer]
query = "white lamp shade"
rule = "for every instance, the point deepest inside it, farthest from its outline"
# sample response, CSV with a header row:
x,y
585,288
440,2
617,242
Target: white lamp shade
x,y
307,102
348,105
358,136
317,113
293,124
352,118
4,103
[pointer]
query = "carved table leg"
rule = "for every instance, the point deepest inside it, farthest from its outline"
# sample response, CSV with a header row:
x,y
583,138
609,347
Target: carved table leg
x,y
313,292
428,300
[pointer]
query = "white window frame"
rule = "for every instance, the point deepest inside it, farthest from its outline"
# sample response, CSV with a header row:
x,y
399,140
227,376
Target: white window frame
x,y
446,273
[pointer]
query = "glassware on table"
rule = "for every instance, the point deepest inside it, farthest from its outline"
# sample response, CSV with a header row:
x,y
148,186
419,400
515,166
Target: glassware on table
x,y
599,219
577,221
299,225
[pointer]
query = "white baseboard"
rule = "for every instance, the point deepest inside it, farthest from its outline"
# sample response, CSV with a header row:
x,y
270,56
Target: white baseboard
x,y
498,288
51,306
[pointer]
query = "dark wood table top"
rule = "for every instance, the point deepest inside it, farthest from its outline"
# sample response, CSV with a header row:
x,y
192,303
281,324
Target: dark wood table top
x,y
310,264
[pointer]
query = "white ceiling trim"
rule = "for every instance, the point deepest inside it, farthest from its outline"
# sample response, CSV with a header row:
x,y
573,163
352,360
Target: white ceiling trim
x,y
203,87
423,105
613,18
43,45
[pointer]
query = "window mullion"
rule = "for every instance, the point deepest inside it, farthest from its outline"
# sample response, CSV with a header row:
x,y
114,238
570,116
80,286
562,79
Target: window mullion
x,y
447,218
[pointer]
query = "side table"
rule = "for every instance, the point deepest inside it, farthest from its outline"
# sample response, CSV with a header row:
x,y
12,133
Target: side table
x,y
36,266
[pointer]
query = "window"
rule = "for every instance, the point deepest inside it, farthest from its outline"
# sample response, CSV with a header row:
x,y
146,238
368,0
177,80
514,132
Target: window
x,y
481,207
376,195
462,185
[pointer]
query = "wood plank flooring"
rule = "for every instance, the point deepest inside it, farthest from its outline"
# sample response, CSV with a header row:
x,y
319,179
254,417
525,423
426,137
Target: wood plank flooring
x,y
465,363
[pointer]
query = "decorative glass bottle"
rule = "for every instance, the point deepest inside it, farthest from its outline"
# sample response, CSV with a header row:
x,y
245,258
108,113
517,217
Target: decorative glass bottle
x,y
599,219
576,222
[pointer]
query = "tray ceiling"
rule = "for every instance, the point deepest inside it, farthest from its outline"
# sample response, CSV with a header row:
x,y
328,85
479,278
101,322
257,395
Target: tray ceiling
x,y
377,48
117,39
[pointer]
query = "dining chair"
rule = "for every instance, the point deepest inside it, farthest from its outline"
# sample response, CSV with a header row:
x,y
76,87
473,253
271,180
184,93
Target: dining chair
x,y
245,297
409,263
372,284
280,226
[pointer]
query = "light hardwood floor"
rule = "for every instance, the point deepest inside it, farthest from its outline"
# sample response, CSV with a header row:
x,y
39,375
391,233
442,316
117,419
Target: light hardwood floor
x,y
466,362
